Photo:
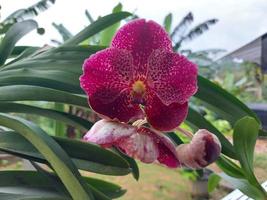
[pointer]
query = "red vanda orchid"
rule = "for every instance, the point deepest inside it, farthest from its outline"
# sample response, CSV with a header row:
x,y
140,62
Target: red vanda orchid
x,y
140,78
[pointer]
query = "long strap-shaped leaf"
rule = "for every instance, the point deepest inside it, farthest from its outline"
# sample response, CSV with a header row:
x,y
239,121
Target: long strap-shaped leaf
x,y
15,33
55,79
52,114
54,154
86,156
34,93
28,179
67,58
96,27
224,103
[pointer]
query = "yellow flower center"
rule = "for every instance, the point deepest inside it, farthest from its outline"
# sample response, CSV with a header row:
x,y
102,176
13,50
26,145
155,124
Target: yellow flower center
x,y
139,87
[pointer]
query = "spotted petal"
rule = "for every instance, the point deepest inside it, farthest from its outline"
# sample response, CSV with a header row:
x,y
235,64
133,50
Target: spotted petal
x,y
172,76
167,153
141,143
106,80
106,133
162,117
141,38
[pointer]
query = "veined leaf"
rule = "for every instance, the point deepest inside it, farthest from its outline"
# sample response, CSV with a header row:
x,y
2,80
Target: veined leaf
x,y
244,138
53,153
14,34
97,26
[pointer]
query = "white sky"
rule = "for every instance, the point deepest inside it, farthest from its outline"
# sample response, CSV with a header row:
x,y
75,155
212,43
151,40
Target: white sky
x,y
240,20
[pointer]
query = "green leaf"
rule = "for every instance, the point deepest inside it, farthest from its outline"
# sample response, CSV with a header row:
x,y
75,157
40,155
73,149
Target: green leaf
x,y
229,167
244,138
53,153
67,118
222,102
49,185
109,189
29,183
19,49
34,93
54,79
97,26
14,34
107,34
69,58
132,163
168,22
196,119
175,138
60,129
244,186
85,156
213,182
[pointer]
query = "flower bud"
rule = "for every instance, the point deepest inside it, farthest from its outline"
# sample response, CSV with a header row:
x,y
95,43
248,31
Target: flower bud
x,y
203,149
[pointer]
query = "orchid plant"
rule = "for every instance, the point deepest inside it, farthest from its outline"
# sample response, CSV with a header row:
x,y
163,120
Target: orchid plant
x,y
139,87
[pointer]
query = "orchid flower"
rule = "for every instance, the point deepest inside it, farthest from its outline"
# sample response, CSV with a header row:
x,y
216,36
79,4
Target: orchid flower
x,y
140,76
140,80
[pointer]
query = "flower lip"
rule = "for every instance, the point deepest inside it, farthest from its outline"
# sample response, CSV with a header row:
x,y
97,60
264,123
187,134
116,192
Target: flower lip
x,y
138,91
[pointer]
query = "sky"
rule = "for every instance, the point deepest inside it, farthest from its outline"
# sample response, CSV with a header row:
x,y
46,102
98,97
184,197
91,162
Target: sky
x,y
240,21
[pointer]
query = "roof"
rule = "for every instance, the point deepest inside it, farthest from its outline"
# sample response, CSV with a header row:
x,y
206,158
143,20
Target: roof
x,y
251,51
254,51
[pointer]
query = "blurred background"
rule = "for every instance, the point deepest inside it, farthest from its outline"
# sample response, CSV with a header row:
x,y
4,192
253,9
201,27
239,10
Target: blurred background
x,y
227,39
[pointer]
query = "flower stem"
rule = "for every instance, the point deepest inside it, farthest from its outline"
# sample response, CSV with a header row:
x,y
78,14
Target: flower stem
x,y
139,122
185,132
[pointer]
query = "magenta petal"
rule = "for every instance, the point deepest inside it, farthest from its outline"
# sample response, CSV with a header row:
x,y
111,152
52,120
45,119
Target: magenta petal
x,y
106,79
106,74
148,145
141,143
120,108
172,76
162,117
140,146
108,133
167,151
141,38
